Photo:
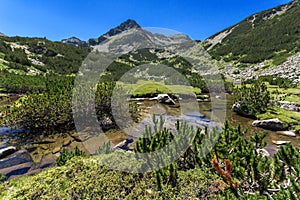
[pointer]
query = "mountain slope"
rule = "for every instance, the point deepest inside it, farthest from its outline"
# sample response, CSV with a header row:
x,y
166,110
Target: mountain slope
x,y
24,55
273,35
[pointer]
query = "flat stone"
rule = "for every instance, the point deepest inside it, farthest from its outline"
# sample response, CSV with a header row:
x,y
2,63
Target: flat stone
x,y
271,149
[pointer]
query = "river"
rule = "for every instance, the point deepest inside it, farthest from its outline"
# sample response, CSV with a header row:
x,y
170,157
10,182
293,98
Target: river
x,y
49,146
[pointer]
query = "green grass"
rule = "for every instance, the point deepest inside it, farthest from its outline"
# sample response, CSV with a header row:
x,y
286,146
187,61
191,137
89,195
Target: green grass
x,y
150,88
289,94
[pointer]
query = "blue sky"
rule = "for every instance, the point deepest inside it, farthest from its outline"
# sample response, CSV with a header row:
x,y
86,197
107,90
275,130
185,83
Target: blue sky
x,y
59,19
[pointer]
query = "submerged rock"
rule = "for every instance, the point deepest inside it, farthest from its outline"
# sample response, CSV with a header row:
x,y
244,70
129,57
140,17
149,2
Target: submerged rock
x,y
270,124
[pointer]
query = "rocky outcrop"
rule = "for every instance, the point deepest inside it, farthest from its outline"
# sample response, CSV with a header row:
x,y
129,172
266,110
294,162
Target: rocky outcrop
x,y
237,108
270,124
5,152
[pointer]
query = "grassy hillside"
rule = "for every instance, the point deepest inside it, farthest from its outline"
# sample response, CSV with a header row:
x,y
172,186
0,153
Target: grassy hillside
x,y
269,35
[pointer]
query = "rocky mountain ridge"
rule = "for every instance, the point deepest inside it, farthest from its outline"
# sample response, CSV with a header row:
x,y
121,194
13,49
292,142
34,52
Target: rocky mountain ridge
x,y
127,36
75,41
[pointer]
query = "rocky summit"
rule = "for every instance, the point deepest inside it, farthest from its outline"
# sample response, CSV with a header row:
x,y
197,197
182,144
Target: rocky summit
x,y
127,25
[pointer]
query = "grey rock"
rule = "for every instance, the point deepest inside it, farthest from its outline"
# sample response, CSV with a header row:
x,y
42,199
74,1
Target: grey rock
x,y
270,124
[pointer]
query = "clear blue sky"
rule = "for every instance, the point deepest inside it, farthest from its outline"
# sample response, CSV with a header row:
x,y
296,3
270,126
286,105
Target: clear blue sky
x,y
59,19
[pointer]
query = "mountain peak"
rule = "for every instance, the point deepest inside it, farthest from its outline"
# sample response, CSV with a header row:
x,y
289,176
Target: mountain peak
x,y
128,24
